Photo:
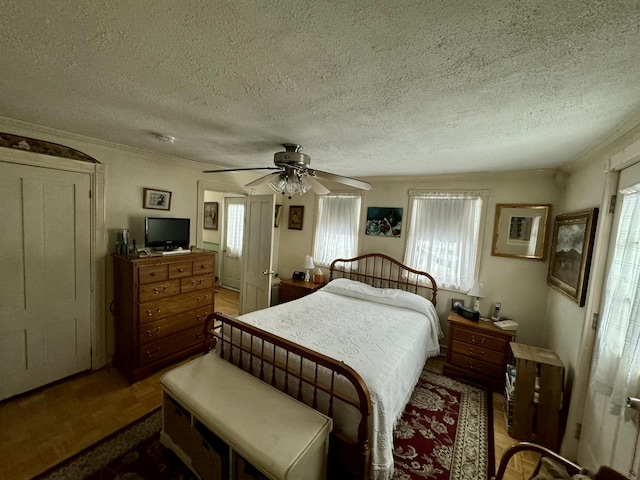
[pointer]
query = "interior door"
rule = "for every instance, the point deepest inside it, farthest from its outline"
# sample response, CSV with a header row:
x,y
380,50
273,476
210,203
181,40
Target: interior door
x,y
257,263
231,258
606,438
45,306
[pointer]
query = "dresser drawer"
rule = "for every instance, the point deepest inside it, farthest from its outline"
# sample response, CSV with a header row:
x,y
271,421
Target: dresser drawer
x,y
477,366
481,339
180,270
167,346
151,311
153,331
153,273
479,352
156,291
197,282
202,266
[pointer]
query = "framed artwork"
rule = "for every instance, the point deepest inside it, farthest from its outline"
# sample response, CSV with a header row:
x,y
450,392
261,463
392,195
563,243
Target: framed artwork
x,y
384,221
571,251
156,199
296,214
520,231
278,214
211,215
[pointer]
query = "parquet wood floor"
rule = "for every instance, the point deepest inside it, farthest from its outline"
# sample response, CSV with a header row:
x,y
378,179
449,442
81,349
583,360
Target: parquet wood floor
x,y
43,427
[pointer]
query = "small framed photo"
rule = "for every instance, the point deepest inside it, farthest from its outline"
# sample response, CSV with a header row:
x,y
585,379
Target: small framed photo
x,y
296,214
456,302
211,215
156,199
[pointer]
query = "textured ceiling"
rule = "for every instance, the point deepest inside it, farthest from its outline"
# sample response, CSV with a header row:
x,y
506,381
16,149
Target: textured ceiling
x,y
368,88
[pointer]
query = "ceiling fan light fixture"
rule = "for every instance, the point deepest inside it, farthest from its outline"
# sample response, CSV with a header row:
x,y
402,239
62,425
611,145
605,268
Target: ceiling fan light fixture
x,y
289,185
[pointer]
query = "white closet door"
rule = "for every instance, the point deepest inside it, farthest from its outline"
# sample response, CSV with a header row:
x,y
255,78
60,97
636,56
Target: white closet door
x,y
45,285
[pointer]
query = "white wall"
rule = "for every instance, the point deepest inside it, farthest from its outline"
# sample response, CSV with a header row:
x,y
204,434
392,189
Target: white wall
x,y
520,284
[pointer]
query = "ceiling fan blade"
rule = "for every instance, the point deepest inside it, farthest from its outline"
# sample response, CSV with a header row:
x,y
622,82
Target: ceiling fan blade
x,y
316,186
240,169
345,180
260,180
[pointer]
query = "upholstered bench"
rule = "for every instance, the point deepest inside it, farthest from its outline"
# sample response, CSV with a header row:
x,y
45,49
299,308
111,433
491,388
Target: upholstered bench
x,y
225,423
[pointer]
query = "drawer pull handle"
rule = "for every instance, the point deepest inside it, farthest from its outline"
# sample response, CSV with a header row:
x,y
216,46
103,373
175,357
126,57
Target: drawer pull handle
x,y
200,299
473,340
151,333
153,354
471,367
156,291
199,282
153,274
473,352
202,317
181,270
150,313
199,334
203,266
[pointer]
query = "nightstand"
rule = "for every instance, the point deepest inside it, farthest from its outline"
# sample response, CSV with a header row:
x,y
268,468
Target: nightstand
x,y
292,289
478,350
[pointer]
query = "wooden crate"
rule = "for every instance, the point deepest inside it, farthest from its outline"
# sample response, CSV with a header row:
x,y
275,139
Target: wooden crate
x,y
537,398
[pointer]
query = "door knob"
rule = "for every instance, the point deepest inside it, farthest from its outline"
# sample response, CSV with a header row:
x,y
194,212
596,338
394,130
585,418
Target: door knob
x,y
633,402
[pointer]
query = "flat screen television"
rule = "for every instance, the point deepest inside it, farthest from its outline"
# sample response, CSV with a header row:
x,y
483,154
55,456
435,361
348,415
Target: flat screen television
x,y
162,233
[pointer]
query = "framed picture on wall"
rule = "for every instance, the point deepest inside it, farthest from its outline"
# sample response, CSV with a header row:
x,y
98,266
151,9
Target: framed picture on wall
x,y
296,214
156,199
384,221
520,231
211,215
571,251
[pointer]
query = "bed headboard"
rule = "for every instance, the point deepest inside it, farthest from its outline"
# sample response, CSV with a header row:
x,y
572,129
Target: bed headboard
x,y
382,271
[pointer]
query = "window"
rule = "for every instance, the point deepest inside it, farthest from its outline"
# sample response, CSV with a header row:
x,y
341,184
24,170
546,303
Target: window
x,y
337,226
443,236
235,229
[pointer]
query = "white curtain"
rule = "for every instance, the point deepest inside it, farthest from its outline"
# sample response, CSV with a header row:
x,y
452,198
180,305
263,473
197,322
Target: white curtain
x,y
443,236
616,366
337,227
235,229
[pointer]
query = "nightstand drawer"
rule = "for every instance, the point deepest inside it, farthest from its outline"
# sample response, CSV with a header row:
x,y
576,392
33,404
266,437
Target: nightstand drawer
x,y
481,339
479,352
477,366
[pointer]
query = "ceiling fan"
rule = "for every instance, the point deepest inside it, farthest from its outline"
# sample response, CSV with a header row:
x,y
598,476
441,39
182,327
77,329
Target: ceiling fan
x,y
294,174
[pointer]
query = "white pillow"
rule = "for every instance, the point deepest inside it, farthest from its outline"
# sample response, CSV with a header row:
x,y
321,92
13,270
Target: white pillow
x,y
387,296
353,288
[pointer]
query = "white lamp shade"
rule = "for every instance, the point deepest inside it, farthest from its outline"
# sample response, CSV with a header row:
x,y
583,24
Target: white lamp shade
x,y
308,262
477,290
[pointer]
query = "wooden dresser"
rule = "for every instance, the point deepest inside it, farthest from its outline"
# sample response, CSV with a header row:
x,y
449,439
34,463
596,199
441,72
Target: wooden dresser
x,y
292,289
160,307
478,350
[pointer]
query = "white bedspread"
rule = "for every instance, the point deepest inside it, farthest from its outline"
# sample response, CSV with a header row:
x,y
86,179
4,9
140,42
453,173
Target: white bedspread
x,y
387,345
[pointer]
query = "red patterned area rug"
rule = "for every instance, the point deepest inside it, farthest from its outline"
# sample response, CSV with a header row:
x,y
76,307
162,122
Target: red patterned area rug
x,y
446,432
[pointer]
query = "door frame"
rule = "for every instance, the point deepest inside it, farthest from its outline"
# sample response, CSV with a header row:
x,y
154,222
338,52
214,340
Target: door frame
x,y
98,245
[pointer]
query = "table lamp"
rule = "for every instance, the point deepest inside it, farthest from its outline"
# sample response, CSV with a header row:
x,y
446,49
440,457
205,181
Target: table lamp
x,y
308,264
477,290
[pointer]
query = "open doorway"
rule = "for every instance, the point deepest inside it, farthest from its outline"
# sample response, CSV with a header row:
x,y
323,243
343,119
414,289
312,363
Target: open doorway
x,y
222,232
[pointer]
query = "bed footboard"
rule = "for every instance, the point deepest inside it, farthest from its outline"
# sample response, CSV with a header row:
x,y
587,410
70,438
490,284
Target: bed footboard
x,y
305,375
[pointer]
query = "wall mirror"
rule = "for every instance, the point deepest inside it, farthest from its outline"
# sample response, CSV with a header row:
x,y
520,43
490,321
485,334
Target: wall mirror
x,y
520,231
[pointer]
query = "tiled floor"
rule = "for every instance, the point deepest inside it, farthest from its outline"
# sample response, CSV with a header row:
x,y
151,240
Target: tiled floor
x,y
50,424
